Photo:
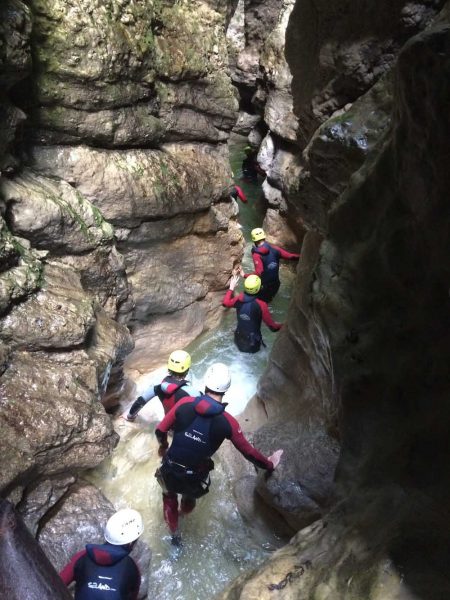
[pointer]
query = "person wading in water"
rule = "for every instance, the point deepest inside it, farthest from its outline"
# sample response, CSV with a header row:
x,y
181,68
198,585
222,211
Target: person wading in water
x,y
250,312
199,425
266,260
172,388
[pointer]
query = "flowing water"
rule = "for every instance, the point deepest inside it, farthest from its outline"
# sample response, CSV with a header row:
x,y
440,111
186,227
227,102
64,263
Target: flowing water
x,y
217,544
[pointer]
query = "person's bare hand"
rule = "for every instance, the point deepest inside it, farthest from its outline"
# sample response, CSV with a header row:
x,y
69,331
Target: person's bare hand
x,y
241,271
276,457
233,282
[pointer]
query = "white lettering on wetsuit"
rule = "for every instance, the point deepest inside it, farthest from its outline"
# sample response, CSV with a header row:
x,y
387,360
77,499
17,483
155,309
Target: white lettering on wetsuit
x,y
101,586
272,265
194,437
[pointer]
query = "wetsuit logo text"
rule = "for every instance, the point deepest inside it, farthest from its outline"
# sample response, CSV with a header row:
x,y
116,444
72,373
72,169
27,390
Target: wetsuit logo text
x,y
100,586
195,438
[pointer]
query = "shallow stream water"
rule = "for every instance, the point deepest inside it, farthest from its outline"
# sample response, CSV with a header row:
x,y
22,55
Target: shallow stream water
x,y
217,544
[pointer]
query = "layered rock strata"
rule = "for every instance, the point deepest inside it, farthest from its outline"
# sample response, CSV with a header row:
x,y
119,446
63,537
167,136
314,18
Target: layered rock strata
x,y
114,210
134,115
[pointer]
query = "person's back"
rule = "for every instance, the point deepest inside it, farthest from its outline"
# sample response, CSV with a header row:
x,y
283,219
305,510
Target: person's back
x,y
249,317
266,260
270,258
199,425
106,571
251,311
172,388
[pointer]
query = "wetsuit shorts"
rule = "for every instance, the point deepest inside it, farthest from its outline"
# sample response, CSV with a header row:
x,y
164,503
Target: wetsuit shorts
x,y
250,343
268,291
178,479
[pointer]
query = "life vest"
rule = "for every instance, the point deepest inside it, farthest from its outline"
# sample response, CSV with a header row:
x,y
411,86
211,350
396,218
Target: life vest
x,y
113,581
270,258
193,446
249,316
170,390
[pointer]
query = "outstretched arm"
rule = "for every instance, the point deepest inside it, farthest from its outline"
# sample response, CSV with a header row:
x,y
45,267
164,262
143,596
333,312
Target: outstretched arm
x,y
229,301
267,317
285,254
239,441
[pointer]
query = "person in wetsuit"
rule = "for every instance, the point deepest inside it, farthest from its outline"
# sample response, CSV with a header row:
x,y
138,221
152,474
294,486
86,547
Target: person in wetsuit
x,y
266,260
250,167
238,192
106,570
250,312
171,389
199,425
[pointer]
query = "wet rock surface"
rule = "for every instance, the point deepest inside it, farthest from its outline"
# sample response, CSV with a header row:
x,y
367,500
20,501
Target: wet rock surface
x,y
119,210
114,178
370,304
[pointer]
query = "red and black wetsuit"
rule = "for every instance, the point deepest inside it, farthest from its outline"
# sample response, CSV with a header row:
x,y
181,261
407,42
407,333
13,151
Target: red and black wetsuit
x,y
266,259
250,312
103,572
169,391
200,425
238,193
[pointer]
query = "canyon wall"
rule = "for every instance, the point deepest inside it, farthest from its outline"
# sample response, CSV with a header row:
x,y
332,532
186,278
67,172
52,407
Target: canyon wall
x,y
115,216
363,358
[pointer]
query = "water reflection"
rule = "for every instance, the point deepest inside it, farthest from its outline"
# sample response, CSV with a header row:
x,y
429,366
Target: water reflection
x,y
218,544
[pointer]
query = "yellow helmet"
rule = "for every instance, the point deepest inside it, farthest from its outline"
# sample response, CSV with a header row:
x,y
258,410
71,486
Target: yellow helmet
x,y
258,234
179,361
252,284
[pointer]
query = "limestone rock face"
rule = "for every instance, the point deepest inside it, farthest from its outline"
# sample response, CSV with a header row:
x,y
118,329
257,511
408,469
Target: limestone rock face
x,y
259,69
21,268
122,182
278,109
363,358
301,487
52,215
336,51
132,117
15,63
53,402
337,149
174,233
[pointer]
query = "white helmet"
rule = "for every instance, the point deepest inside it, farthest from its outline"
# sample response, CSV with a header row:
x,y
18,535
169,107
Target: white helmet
x,y
218,378
124,527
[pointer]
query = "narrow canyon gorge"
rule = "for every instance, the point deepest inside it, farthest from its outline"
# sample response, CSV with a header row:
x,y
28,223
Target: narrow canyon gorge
x,y
118,237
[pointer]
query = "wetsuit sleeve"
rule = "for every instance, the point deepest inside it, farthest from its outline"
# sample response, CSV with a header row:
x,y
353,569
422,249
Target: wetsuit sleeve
x,y
149,393
258,264
68,572
228,300
169,420
245,448
267,317
285,254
